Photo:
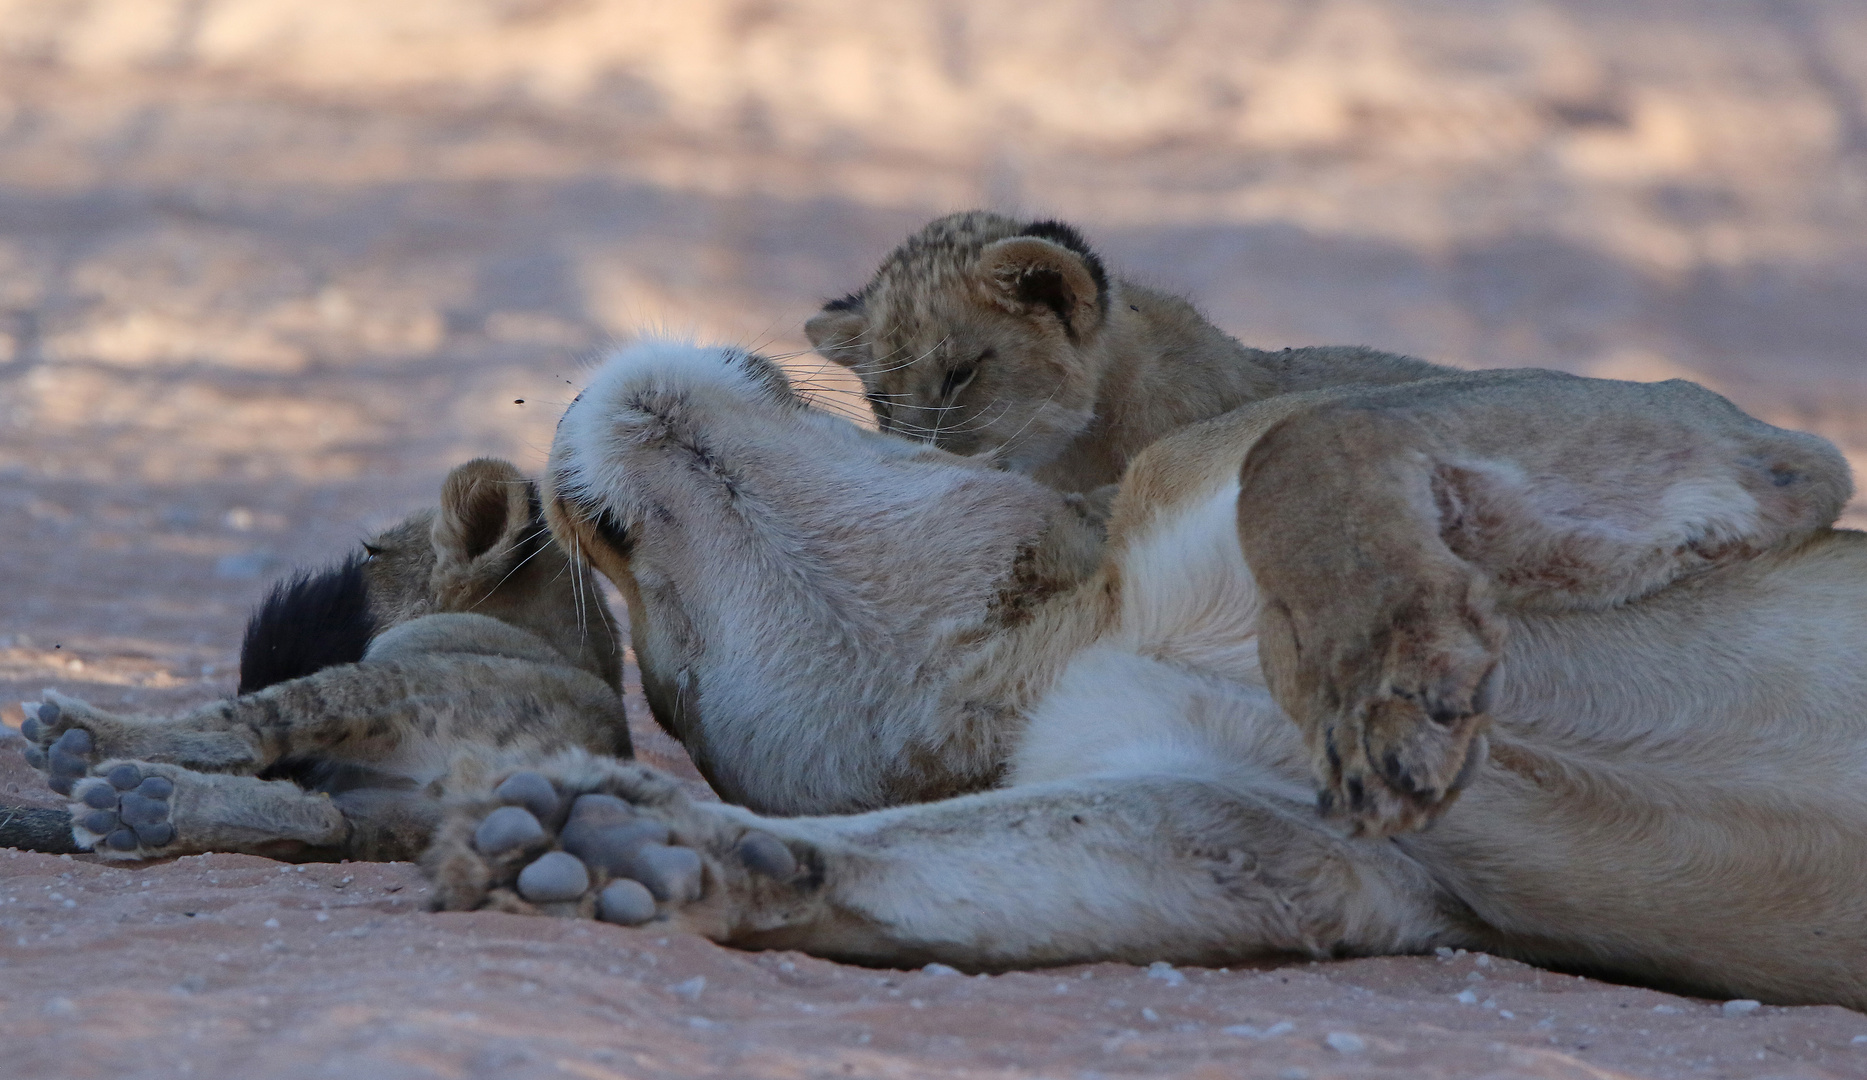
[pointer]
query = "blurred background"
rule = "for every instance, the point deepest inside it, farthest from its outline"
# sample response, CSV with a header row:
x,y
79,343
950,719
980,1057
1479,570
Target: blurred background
x,y
269,267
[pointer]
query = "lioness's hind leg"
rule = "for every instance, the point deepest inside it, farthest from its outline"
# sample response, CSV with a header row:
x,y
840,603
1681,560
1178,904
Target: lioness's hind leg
x,y
148,810
1377,639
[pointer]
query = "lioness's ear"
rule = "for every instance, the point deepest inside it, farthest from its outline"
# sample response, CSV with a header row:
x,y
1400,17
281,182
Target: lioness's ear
x,y
488,520
1034,275
840,332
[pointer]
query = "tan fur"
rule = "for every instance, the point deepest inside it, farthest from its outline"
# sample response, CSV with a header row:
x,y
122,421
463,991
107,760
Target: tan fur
x,y
490,643
1067,372
1672,793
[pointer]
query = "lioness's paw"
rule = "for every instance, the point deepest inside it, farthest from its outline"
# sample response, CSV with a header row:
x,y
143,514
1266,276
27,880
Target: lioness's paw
x,y
1396,756
124,813
64,738
620,843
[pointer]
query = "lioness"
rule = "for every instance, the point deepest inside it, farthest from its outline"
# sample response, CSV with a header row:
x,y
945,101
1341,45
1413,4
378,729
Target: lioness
x,y
1015,747
462,631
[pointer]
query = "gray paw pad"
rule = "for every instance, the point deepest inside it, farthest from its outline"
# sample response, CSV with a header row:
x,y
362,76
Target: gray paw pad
x,y
507,828
612,847
670,873
530,790
127,820
35,757
69,759
553,876
765,854
599,809
625,903
31,727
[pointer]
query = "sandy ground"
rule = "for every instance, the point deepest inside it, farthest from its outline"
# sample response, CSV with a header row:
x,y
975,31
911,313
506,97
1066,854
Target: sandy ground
x,y
268,268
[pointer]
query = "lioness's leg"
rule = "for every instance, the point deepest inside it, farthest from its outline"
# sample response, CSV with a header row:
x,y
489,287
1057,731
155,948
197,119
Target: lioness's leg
x,y
1386,528
1124,868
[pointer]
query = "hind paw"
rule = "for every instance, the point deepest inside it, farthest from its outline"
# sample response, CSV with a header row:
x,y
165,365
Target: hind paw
x,y
124,813
616,842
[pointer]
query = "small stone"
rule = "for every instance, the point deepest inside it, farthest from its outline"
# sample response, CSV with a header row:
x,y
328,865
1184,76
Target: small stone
x,y
691,989
1162,970
507,828
625,903
1741,1006
1343,1042
1465,997
939,969
553,876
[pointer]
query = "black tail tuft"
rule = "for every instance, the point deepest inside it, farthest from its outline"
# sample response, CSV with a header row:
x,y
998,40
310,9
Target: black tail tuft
x,y
306,624
33,828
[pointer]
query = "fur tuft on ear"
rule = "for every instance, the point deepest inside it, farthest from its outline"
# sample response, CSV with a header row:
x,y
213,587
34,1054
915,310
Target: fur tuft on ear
x,y
489,522
1035,275
840,331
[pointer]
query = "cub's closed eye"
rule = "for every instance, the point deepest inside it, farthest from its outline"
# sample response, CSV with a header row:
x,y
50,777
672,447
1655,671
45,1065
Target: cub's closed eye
x,y
370,551
956,379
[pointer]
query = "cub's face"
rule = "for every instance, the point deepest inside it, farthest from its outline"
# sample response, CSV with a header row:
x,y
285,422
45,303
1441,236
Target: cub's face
x,y
981,349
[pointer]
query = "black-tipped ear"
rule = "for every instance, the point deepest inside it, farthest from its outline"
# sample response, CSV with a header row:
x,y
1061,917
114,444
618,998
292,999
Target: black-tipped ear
x,y
1039,277
489,513
840,332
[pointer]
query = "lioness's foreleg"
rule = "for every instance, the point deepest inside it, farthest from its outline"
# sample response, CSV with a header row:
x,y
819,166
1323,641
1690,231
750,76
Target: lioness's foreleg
x,y
1122,868
1387,527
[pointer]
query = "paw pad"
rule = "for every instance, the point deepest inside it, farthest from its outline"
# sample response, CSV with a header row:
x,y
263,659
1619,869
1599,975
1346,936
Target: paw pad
x,y
125,810
506,829
552,877
532,791
68,760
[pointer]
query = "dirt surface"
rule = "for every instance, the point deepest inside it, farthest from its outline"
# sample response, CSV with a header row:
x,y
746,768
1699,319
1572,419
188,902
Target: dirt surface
x,y
267,269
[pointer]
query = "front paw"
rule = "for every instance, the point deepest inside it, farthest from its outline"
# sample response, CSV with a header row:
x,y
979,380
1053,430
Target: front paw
x,y
617,842
64,738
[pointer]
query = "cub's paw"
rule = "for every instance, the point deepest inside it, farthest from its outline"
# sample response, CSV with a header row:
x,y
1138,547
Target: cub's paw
x,y
65,737
1396,731
618,842
124,813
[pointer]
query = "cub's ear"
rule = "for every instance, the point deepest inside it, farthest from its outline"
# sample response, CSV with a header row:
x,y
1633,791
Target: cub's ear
x,y
489,521
840,332
1034,276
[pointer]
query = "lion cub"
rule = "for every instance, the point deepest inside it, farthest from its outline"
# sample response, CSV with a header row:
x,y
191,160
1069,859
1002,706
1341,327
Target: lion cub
x,y
986,335
460,633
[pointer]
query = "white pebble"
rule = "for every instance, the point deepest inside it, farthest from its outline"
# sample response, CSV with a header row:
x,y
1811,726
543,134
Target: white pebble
x,y
1162,970
1741,1006
1667,1009
939,969
1466,997
1344,1043
691,989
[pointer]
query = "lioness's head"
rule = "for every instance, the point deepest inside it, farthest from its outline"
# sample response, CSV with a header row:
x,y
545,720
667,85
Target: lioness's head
x,y
800,588
485,550
979,334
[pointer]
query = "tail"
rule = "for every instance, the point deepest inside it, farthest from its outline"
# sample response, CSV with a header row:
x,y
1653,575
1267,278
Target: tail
x,y
36,828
